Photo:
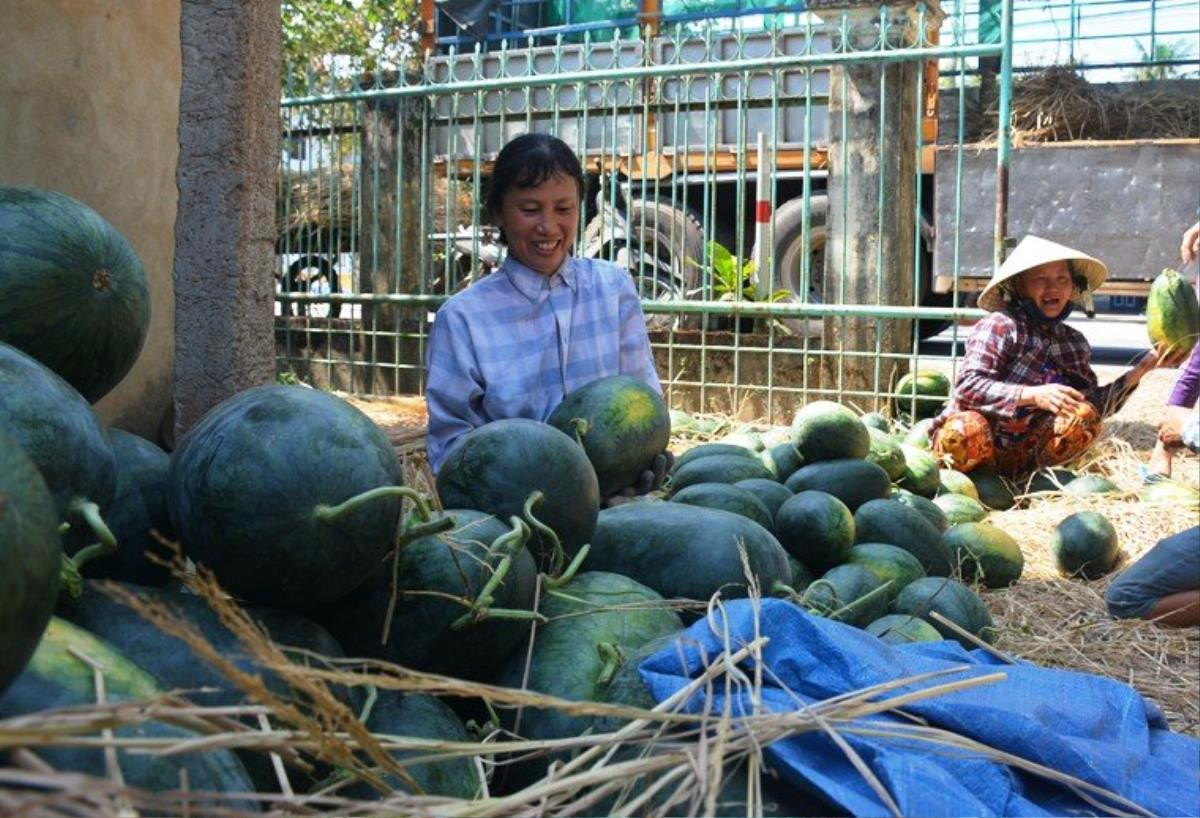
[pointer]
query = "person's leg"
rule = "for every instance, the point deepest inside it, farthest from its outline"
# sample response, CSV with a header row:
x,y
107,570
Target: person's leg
x,y
1160,460
1164,585
1074,431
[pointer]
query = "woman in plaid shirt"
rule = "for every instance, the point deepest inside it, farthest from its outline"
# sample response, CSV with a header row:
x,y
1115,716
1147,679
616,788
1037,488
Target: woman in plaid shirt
x,y
1026,395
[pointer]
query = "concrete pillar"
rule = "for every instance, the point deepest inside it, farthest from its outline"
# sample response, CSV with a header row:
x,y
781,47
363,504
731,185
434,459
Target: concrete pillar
x,y
390,237
866,233
229,132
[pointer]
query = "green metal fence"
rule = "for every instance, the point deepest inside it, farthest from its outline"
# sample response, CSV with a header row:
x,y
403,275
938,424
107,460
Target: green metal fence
x,y
682,132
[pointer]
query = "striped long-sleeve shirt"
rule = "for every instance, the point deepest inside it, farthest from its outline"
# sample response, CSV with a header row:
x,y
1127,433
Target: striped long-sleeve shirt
x,y
514,344
1007,351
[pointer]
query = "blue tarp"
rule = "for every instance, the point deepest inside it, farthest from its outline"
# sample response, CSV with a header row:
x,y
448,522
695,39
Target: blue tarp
x,y
1093,728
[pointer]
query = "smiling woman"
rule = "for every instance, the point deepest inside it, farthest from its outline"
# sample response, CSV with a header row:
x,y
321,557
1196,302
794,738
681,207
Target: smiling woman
x,y
1026,396
546,323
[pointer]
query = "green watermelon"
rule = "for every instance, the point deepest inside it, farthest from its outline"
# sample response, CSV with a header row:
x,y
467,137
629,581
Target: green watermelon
x,y
782,460
984,553
1172,314
885,452
951,599
1085,545
994,492
921,473
852,481
889,563
918,434
955,482
772,494
254,489
718,468
903,629
958,508
1170,492
875,420
30,558
73,293
894,523
801,576
496,467
1086,484
727,497
815,528
922,394
708,450
825,430
932,511
849,593
623,425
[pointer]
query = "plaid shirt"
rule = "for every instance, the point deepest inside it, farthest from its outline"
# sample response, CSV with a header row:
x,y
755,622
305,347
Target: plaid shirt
x,y
515,343
1006,351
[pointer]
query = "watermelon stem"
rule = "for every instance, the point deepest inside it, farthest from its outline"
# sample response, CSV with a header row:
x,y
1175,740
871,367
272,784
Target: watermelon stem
x,y
557,557
611,659
480,608
419,530
572,569
329,514
70,576
580,425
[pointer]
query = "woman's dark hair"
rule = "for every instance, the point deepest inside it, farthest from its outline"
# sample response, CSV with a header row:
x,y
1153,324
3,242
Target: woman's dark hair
x,y
527,161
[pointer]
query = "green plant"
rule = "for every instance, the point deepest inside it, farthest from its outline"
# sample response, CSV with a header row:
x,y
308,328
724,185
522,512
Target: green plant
x,y
733,278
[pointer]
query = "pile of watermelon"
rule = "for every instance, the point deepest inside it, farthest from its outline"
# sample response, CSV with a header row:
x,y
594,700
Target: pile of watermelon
x,y
294,501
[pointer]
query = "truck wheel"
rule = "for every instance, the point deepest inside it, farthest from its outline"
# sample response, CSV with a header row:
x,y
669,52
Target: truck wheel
x,y
788,231
663,242
302,276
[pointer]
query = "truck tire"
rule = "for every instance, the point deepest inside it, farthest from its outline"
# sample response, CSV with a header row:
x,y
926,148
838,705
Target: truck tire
x,y
664,249
788,224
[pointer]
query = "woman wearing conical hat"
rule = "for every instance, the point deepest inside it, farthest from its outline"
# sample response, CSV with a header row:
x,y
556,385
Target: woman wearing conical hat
x,y
1026,395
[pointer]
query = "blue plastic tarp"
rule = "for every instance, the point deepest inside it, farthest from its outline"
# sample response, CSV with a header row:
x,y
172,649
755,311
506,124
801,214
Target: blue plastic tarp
x,y
1090,727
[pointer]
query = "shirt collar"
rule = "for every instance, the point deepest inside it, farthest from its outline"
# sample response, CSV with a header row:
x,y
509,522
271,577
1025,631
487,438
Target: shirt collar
x,y
531,283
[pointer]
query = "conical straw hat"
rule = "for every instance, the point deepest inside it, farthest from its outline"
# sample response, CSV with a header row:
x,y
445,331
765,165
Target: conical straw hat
x,y
1033,251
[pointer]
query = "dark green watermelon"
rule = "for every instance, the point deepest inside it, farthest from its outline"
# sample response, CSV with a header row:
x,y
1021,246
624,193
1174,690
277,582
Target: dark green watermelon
x,y
251,485
772,494
825,430
903,629
623,425
61,434
728,497
496,467
57,678
73,293
849,593
708,450
1085,545
815,528
458,562
30,558
952,600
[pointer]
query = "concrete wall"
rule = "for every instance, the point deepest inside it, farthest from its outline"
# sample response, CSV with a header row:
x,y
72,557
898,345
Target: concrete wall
x,y
89,101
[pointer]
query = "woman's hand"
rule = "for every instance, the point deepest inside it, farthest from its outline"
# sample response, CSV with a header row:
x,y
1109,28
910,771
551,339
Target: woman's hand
x,y
1170,429
1052,397
650,480
1189,248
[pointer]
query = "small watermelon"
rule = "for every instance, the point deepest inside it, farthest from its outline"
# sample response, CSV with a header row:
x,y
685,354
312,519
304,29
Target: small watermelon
x,y
1172,314
815,528
825,430
952,600
1085,545
984,553
903,629
926,390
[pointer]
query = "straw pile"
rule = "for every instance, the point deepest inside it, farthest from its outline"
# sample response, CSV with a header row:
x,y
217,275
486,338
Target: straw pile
x,y
1057,105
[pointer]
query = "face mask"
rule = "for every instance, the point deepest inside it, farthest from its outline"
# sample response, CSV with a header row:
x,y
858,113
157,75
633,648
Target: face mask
x,y
1029,308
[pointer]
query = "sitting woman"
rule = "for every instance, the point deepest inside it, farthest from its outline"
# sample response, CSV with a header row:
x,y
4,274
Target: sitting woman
x,y
1026,396
546,322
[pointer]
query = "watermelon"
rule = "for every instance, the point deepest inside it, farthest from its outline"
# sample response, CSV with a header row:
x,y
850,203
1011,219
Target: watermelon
x,y
139,506
73,293
1087,484
1085,545
719,468
885,452
892,522
747,438
824,430
254,488
708,450
848,593
772,494
687,552
921,473
958,508
1172,314
592,621
918,434
994,492
727,497
57,678
1050,481
815,528
932,511
955,482
902,629
984,553
922,394
419,715
852,481
875,420
435,577
1170,492
782,460
952,600
622,424
801,576
496,467
62,436
30,558
889,563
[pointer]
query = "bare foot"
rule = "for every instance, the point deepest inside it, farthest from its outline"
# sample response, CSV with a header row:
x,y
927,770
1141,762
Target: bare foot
x,y
1160,460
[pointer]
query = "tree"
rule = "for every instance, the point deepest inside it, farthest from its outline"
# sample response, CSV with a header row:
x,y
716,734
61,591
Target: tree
x,y
323,39
1158,65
